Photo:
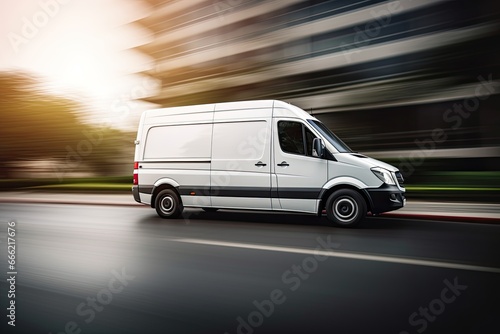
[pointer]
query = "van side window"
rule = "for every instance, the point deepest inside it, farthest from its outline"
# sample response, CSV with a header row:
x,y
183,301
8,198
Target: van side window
x,y
295,138
309,141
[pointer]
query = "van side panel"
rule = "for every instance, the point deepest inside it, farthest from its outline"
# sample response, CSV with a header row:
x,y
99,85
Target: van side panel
x,y
193,178
241,159
177,147
173,142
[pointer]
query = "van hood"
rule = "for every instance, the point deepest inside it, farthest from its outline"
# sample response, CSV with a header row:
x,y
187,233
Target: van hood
x,y
361,160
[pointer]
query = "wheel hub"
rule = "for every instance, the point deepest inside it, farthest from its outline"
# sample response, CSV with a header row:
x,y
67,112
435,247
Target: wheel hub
x,y
345,209
167,204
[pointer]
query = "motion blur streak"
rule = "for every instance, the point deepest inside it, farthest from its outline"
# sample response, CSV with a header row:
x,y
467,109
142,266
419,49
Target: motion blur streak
x,y
67,253
344,255
381,74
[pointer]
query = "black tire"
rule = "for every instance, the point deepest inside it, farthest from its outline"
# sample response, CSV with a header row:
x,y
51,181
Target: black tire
x,y
210,209
168,204
346,208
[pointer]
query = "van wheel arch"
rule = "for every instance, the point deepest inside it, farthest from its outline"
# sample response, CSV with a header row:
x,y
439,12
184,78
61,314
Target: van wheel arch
x,y
326,195
161,187
168,204
346,207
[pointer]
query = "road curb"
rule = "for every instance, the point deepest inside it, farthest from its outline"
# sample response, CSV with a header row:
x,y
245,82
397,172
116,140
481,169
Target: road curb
x,y
438,217
463,219
44,201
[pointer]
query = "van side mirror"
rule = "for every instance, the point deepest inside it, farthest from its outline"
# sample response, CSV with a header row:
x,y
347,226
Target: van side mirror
x,y
318,149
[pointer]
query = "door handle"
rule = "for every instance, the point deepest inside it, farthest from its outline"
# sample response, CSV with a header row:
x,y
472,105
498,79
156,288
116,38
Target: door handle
x,y
283,164
260,164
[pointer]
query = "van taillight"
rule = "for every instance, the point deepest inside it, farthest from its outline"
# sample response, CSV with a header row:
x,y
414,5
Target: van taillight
x,y
136,176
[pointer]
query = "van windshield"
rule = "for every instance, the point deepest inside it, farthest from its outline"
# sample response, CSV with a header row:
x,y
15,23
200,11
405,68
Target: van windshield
x,y
330,136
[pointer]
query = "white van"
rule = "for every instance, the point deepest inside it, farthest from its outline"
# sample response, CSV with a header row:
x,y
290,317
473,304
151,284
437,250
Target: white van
x,y
257,155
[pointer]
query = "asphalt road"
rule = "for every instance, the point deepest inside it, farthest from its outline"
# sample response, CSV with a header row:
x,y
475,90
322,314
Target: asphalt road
x,y
109,269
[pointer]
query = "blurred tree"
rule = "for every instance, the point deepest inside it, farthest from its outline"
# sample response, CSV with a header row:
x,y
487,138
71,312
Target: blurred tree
x,y
34,123
113,154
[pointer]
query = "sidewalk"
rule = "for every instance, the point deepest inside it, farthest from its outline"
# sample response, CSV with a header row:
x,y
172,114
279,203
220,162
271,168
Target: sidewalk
x,y
448,211
68,198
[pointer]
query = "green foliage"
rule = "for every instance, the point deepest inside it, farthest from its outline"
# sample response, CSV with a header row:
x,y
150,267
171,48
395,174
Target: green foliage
x,y
35,124
124,182
115,148
40,126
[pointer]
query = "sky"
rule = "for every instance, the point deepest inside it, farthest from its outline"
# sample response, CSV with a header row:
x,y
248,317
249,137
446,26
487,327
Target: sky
x,y
81,49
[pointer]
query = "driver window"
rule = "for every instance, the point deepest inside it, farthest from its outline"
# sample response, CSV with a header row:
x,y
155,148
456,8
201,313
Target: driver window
x,y
294,138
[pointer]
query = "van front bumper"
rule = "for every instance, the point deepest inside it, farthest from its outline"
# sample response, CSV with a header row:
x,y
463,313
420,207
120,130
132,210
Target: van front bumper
x,y
386,198
135,192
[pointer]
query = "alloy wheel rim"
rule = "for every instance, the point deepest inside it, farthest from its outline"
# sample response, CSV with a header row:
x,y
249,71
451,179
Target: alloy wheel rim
x,y
345,209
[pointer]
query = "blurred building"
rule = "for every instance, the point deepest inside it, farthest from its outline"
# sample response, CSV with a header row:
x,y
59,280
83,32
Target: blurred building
x,y
387,76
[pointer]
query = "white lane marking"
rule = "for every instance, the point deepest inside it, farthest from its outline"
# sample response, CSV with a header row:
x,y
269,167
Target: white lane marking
x,y
345,255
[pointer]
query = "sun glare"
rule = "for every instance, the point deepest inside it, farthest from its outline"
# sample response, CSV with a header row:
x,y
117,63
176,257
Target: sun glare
x,y
79,67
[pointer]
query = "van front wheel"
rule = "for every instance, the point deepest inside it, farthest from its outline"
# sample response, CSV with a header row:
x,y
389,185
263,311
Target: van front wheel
x,y
168,204
345,208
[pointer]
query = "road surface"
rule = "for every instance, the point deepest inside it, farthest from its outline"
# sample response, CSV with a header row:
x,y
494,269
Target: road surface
x,y
119,269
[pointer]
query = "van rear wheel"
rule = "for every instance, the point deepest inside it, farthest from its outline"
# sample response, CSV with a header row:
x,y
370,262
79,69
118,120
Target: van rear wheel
x,y
346,208
168,204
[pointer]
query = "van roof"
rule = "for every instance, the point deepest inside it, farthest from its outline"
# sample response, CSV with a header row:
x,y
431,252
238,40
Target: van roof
x,y
253,104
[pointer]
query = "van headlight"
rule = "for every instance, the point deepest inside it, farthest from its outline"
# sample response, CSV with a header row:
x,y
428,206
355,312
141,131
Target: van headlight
x,y
384,175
